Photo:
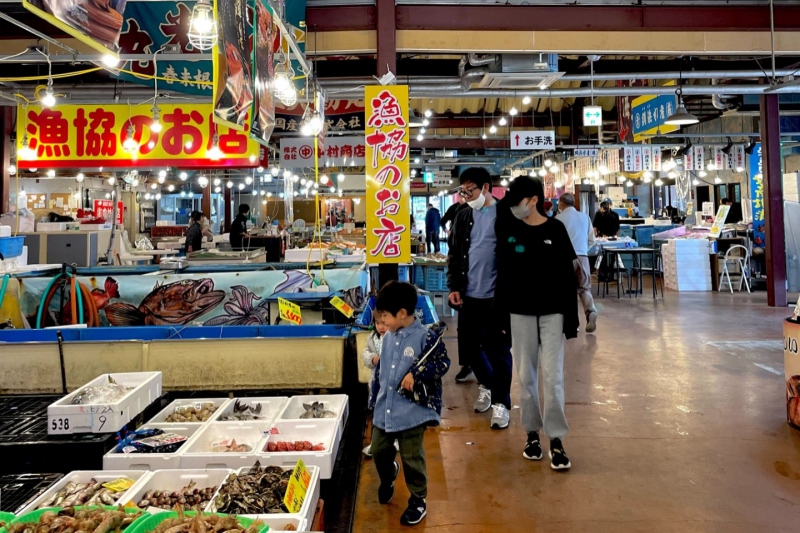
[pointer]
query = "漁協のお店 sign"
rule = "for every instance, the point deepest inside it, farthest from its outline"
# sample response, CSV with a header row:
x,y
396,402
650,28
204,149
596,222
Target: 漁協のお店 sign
x,y
387,169
533,140
94,135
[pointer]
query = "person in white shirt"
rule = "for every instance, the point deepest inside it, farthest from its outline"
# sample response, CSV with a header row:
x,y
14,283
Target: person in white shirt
x,y
581,233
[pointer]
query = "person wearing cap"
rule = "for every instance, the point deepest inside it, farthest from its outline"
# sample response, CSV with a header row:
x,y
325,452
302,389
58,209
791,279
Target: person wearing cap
x,y
581,234
606,221
537,293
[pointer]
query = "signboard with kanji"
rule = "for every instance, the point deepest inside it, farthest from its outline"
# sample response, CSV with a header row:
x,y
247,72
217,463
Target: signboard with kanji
x,y
298,152
387,169
105,209
93,136
533,140
649,113
757,197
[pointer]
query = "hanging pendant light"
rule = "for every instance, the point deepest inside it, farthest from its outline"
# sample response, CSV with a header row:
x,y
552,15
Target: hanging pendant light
x,y
203,26
681,117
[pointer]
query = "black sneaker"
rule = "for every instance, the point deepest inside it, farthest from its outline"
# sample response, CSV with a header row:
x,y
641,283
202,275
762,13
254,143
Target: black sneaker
x,y
386,491
416,511
463,374
533,449
558,457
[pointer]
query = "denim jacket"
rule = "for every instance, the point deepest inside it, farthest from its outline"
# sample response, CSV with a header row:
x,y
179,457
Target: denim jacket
x,y
397,410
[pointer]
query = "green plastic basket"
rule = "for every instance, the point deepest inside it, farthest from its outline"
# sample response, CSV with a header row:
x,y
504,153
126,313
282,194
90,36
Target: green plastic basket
x,y
148,523
6,518
34,516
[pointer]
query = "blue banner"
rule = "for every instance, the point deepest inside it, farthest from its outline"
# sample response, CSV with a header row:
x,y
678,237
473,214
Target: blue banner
x,y
649,113
150,25
757,197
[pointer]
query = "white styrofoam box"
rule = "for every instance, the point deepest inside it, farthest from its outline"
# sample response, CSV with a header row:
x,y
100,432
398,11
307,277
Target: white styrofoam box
x,y
332,402
117,459
5,231
51,226
284,520
63,418
693,271
351,258
689,244
174,480
196,453
694,260
94,227
160,418
271,407
84,476
315,430
309,507
299,255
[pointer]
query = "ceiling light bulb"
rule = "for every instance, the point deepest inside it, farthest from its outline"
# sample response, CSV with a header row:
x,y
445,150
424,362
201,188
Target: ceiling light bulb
x,y
147,196
51,173
217,190
316,185
504,182
49,99
229,184
248,180
340,178
425,122
26,152
739,169
702,173
12,169
191,194
183,194
135,182
629,183
413,172
77,194
672,175
305,130
241,186
158,196
648,174
110,61
170,187
129,144
252,159
548,163
202,181
153,186
323,179
502,121
303,181
493,129
717,180
295,178
112,180
217,182
332,189
183,176
422,131
648,179
203,26
260,170
601,182
659,183
484,136
526,100
428,113
711,166
274,171
557,184
513,111
214,153
695,182
554,169
542,172
269,194
416,160
420,137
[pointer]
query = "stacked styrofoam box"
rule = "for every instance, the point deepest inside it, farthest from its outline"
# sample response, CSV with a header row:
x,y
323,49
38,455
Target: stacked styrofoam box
x,y
791,187
117,459
686,265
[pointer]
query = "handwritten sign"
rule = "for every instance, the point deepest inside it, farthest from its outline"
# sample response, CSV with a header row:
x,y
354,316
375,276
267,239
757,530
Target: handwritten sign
x,y
289,311
298,488
722,214
343,308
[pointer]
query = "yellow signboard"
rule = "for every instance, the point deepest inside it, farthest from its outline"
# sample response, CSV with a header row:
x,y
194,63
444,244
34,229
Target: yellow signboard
x,y
343,308
649,113
289,311
297,488
388,184
719,221
118,136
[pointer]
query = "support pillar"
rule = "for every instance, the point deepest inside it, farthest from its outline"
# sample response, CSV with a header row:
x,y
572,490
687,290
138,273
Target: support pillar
x,y
7,125
773,201
226,228
387,36
205,205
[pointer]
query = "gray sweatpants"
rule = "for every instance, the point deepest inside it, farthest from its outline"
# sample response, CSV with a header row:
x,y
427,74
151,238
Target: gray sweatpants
x,y
540,340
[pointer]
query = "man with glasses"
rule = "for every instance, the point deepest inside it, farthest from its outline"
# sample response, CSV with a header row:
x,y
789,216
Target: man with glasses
x,y
483,346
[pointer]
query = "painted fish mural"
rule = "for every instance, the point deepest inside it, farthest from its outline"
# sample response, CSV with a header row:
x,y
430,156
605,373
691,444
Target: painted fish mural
x,y
168,305
100,296
296,281
240,310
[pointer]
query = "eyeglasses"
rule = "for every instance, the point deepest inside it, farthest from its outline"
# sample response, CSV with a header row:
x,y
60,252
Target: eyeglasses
x,y
467,193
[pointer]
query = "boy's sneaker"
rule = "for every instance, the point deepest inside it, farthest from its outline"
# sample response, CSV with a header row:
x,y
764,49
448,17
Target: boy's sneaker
x,y
558,457
386,491
533,448
463,374
415,512
499,416
591,321
484,401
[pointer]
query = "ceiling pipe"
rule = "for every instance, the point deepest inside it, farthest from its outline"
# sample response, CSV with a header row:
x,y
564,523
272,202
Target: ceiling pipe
x,y
468,77
719,101
478,60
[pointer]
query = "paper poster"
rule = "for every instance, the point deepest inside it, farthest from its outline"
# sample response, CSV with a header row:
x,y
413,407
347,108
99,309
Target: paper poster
x,y
719,221
96,23
233,69
267,39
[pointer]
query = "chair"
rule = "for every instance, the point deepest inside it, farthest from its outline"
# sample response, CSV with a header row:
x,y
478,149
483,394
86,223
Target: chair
x,y
640,271
739,262
613,273
127,256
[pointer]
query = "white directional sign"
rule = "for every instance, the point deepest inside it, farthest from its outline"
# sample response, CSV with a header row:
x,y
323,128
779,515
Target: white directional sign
x,y
593,115
533,140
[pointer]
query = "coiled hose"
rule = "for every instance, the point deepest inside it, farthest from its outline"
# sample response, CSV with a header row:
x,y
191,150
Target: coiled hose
x,y
82,305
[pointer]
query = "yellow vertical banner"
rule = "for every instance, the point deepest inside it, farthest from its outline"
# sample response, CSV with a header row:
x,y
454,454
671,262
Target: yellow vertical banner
x,y
388,184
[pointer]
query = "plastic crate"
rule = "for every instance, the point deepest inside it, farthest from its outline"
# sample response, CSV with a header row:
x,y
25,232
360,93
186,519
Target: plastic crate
x,y
18,490
435,279
34,516
11,246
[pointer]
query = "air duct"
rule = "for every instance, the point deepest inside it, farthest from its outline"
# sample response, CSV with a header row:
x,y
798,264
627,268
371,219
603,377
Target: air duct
x,y
478,60
468,77
721,101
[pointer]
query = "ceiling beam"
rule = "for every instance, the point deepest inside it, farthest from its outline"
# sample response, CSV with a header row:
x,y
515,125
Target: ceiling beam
x,y
461,143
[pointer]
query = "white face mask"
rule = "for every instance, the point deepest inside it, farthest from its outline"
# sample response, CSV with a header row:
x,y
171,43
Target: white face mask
x,y
478,202
521,211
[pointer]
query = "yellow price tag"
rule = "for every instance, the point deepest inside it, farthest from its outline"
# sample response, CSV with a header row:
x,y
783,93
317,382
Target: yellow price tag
x,y
119,485
297,488
289,311
343,308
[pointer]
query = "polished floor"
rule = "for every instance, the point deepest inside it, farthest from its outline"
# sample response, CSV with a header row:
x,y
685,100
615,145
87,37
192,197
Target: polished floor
x,y
677,415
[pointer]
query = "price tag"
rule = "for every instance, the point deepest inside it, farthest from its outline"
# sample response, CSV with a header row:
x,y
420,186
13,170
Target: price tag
x,y
59,425
289,311
297,488
119,485
343,308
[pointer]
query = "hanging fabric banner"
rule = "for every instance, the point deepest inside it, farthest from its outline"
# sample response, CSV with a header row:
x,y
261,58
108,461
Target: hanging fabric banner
x,y
637,158
647,158
688,160
95,23
387,169
720,160
698,157
267,40
739,157
657,158
233,69
628,156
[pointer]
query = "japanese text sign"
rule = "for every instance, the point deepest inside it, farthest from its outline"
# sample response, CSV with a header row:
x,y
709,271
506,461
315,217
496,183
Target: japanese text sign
x,y
649,113
719,221
387,169
757,197
297,488
289,311
93,135
298,152
533,140
105,208
340,304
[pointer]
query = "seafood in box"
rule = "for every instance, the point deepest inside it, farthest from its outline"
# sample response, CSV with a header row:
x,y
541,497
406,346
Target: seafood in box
x,y
96,520
197,522
296,446
243,411
317,410
107,393
229,446
153,440
92,493
188,498
191,413
259,490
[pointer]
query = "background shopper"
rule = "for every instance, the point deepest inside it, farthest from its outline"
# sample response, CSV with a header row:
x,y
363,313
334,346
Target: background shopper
x,y
239,228
536,285
194,237
433,219
471,278
581,234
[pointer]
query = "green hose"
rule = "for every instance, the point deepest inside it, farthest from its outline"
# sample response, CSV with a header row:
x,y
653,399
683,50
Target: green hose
x,y
78,295
3,289
44,297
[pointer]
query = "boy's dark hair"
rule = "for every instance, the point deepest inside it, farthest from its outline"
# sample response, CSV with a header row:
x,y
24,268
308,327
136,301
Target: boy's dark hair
x,y
244,209
477,175
526,187
395,296
197,216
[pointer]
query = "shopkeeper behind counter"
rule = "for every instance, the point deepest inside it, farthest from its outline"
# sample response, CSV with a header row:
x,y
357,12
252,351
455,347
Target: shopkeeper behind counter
x,y
239,227
194,237
606,221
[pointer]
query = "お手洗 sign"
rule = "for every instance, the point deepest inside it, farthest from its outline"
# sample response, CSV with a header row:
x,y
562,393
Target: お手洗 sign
x,y
388,188
93,135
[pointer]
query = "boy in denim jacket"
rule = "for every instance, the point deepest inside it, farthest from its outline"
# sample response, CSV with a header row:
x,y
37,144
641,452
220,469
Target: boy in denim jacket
x,y
409,397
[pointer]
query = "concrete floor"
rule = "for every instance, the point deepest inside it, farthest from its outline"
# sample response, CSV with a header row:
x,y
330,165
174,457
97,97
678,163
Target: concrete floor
x,y
677,415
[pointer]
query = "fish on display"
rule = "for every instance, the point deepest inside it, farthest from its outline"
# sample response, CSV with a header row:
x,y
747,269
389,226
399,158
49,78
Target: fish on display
x,y
91,493
296,281
354,297
188,498
71,519
201,523
168,305
316,410
260,490
243,411
108,393
101,298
